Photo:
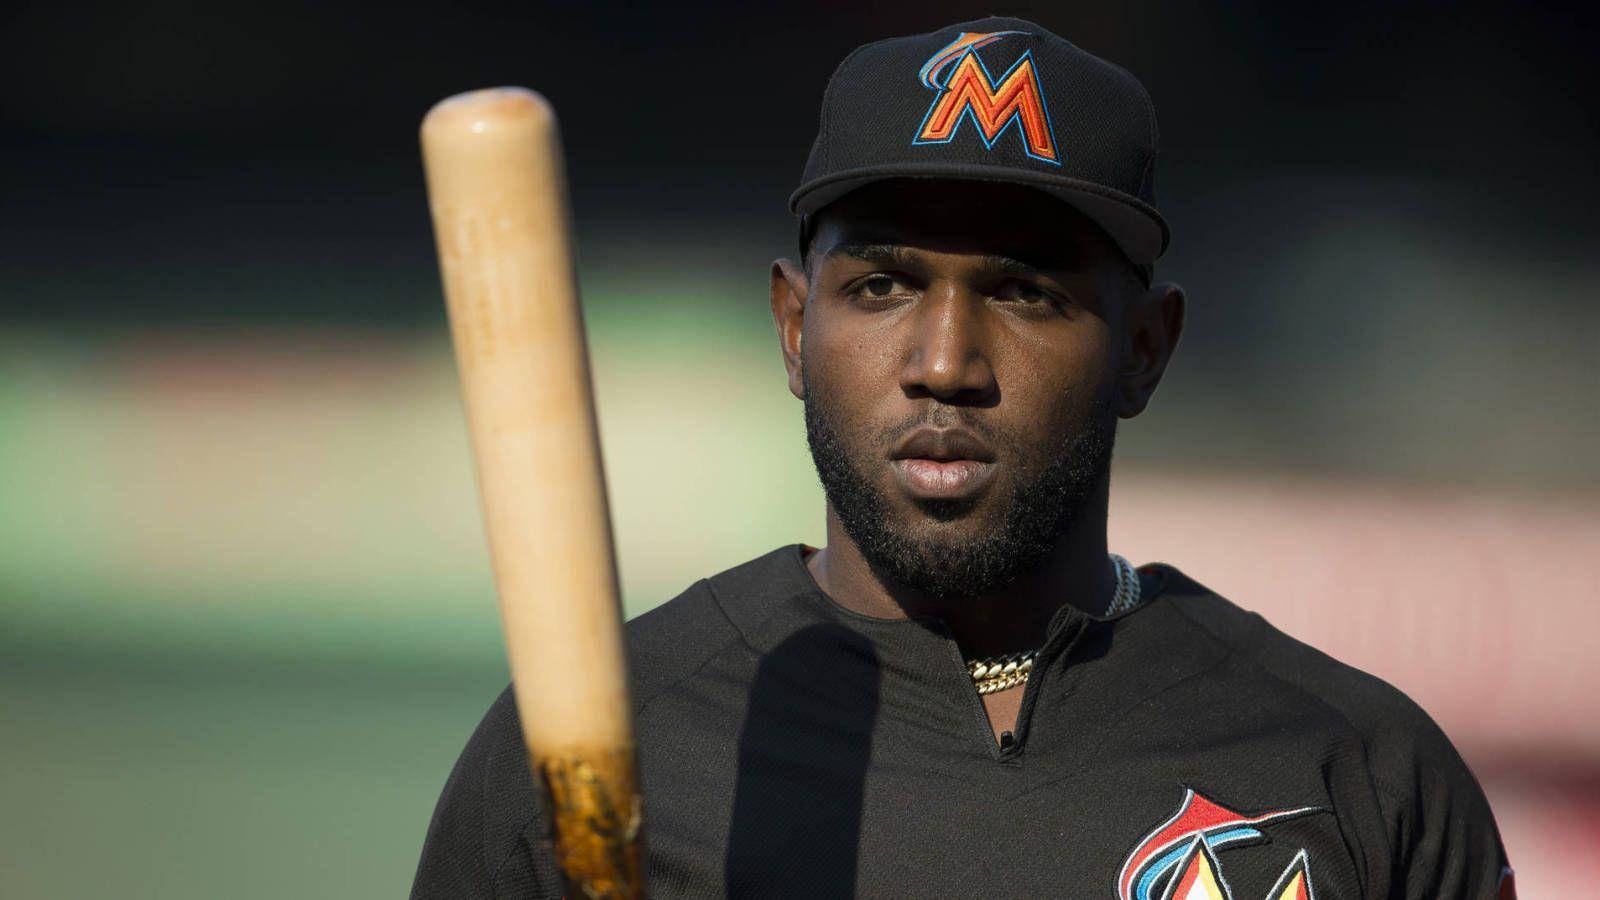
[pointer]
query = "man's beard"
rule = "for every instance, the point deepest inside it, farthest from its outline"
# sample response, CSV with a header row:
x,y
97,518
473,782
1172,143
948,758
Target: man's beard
x,y
1046,502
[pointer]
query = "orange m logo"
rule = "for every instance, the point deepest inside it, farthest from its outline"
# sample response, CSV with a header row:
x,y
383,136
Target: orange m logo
x,y
969,92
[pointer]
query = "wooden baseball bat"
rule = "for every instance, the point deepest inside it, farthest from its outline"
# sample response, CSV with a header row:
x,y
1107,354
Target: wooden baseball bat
x,y
497,192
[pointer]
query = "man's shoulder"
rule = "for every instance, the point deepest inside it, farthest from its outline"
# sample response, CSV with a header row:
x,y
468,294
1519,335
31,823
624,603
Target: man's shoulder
x,y
673,640
664,644
1397,732
1438,821
488,836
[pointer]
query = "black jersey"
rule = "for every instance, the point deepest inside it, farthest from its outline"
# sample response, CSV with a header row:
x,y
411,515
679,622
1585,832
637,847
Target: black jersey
x,y
1185,748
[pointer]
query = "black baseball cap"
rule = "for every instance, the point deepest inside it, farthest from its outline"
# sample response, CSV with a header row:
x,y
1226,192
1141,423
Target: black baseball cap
x,y
996,99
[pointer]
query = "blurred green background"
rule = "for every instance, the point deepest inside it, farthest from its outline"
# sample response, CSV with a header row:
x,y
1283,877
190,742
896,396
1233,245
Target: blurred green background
x,y
246,620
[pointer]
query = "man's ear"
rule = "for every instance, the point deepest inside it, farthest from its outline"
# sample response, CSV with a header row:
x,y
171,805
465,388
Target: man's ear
x,y
1151,328
790,289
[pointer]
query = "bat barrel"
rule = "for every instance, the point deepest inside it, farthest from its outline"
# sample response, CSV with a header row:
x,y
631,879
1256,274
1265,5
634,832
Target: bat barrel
x,y
497,193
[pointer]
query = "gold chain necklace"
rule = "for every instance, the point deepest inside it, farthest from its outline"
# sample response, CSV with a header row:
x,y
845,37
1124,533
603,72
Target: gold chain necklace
x,y
999,673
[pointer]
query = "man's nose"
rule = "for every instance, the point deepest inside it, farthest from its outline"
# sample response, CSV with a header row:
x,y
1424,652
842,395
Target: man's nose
x,y
947,353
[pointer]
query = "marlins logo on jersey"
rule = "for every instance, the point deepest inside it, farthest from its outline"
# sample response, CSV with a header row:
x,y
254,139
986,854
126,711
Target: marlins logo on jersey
x,y
1177,859
967,92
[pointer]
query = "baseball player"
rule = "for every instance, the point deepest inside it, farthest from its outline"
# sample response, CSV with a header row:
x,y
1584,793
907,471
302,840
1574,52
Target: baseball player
x,y
964,693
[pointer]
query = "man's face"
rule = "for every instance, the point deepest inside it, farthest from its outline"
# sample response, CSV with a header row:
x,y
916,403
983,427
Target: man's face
x,y
958,360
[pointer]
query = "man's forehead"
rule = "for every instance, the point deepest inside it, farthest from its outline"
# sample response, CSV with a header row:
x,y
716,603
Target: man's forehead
x,y
961,217
908,231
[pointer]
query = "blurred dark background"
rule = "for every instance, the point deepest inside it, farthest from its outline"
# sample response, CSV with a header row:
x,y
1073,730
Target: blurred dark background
x,y
275,143
1372,183
240,528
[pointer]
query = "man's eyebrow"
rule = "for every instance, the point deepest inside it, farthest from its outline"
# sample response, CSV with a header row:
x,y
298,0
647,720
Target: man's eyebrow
x,y
899,255
874,252
1058,259
995,264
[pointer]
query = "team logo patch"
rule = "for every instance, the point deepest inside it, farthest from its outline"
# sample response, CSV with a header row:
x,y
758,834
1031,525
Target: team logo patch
x,y
1295,882
967,92
1198,876
1177,859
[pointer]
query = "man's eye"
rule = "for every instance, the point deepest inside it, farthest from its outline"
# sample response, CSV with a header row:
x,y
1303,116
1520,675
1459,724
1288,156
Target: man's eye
x,y
878,286
1023,292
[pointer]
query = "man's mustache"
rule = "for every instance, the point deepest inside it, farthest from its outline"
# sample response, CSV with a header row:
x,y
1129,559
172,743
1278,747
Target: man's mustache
x,y
944,417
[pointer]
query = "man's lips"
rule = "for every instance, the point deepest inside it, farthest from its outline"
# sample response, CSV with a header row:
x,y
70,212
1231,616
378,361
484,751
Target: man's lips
x,y
943,446
942,479
944,464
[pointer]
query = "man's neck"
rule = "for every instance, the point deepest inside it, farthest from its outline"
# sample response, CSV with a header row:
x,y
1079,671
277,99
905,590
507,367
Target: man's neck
x,y
1013,618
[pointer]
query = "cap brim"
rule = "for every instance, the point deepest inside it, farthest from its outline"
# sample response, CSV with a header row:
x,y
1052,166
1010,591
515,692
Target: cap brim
x,y
1133,224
